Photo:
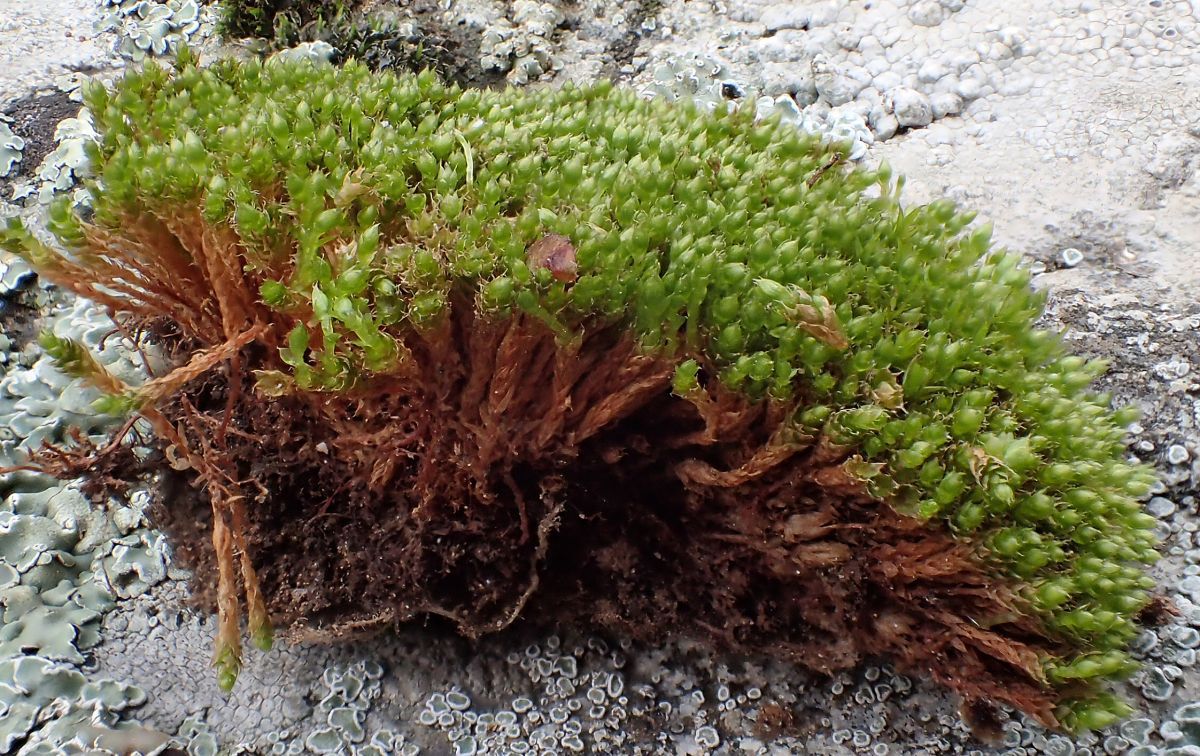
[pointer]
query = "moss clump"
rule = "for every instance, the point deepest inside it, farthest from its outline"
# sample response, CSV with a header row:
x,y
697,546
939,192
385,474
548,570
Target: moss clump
x,y
381,38
577,355
281,21
382,45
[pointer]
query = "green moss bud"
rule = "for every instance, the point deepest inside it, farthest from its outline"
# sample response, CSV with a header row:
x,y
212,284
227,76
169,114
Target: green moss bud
x,y
273,293
970,517
686,378
1053,593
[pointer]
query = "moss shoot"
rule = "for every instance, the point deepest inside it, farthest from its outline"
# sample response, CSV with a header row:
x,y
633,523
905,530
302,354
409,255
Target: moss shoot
x,y
570,354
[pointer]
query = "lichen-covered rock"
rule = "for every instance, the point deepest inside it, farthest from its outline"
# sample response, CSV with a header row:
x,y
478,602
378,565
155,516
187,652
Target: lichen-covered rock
x,y
11,147
67,164
912,108
55,550
147,27
572,355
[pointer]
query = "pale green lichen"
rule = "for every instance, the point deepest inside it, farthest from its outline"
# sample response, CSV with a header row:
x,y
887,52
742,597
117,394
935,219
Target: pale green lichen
x,y
11,147
58,557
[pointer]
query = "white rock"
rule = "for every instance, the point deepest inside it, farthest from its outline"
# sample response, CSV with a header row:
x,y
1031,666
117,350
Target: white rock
x,y
954,6
877,65
947,84
871,47
835,85
883,124
927,13
945,103
961,60
818,111
993,51
847,36
912,108
931,71
970,89
937,135
823,14
890,35
784,16
795,79
887,80
1016,39
867,100
1016,86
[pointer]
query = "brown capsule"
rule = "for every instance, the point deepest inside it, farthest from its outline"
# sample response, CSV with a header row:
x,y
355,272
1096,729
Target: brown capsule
x,y
555,253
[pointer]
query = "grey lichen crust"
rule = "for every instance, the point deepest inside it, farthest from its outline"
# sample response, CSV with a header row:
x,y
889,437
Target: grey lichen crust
x,y
11,146
146,28
519,43
63,561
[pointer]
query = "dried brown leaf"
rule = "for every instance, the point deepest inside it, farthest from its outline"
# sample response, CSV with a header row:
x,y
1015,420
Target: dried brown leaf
x,y
556,253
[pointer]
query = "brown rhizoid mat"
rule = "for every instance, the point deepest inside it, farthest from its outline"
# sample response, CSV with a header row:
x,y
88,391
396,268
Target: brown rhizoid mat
x,y
508,476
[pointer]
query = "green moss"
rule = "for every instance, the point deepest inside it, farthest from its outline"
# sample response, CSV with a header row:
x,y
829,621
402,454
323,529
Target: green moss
x,y
743,250
281,21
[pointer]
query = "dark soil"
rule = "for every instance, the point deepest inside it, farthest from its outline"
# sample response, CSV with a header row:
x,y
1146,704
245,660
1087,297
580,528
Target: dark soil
x,y
622,51
18,321
507,478
454,47
34,119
